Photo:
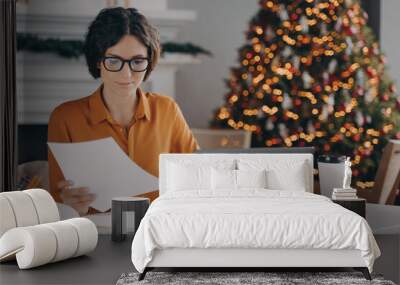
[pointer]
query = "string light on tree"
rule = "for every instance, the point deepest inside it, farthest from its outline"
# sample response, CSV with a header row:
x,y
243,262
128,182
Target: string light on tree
x,y
312,74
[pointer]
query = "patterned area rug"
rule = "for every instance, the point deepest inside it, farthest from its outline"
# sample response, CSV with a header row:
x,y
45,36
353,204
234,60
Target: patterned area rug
x,y
242,278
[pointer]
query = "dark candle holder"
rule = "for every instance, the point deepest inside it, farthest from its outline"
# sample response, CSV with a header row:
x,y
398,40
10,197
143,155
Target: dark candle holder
x,y
126,213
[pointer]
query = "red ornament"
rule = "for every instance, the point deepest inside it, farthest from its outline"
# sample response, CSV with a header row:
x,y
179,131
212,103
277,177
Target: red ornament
x,y
294,17
392,88
356,137
385,97
348,31
317,88
371,72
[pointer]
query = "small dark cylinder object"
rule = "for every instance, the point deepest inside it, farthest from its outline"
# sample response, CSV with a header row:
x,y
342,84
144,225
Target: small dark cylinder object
x,y
138,205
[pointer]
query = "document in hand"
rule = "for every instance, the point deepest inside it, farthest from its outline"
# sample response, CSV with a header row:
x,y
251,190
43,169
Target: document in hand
x,y
104,168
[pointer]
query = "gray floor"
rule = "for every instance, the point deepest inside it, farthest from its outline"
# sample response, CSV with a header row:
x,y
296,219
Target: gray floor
x,y
110,260
103,266
389,263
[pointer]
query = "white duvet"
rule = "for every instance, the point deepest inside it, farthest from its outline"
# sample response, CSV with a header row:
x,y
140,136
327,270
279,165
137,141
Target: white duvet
x,y
250,219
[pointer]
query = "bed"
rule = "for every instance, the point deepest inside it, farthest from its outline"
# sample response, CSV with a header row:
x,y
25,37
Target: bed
x,y
247,211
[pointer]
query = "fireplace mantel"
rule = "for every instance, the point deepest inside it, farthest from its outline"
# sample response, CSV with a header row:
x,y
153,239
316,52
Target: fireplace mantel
x,y
46,80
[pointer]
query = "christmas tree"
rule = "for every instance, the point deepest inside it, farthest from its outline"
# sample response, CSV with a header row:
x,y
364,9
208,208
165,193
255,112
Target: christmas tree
x,y
312,74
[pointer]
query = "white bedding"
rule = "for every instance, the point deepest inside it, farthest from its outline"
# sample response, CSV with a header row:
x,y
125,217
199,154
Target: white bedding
x,y
251,218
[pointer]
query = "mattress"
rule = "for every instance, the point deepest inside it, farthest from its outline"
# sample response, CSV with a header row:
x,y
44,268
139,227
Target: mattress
x,y
251,219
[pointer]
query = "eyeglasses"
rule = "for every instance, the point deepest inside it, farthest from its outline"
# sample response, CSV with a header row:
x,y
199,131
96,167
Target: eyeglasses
x,y
115,63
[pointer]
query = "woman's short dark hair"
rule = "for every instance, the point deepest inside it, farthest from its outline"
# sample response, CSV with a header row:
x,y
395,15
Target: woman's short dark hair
x,y
110,26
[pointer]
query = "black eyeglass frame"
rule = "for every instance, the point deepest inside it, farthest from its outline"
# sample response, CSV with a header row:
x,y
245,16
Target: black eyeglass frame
x,y
125,61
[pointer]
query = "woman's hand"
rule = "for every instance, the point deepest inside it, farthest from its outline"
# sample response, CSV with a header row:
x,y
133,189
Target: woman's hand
x,y
78,198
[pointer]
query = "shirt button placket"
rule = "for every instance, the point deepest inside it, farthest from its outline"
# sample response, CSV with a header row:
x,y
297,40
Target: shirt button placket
x,y
131,140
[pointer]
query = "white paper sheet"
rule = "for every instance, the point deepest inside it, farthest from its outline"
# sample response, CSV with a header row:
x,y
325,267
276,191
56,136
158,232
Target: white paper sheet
x,y
103,167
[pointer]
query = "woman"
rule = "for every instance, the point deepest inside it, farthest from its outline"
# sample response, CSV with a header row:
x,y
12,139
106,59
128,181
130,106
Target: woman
x,y
122,49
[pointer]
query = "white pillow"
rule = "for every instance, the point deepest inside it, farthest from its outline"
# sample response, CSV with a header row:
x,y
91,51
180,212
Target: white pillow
x,y
251,178
223,179
181,177
281,175
293,181
237,179
186,174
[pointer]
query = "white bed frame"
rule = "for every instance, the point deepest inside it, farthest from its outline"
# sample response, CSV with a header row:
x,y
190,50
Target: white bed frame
x,y
246,257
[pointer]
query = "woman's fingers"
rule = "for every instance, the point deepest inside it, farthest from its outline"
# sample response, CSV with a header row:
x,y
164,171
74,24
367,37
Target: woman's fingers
x,y
81,191
72,192
83,205
79,195
64,184
86,199
79,199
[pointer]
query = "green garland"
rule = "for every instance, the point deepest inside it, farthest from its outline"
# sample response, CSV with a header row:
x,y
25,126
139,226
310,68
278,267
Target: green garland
x,y
187,48
74,48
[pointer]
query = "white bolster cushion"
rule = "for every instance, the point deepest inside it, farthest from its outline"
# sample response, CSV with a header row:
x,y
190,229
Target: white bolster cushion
x,y
23,208
66,238
46,207
33,246
7,218
26,208
40,244
87,234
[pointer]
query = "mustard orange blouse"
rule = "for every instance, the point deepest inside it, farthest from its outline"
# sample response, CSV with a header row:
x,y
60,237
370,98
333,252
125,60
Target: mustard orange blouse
x,y
158,127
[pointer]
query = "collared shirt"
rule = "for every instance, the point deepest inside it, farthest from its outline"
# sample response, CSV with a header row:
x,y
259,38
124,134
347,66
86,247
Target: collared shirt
x,y
157,126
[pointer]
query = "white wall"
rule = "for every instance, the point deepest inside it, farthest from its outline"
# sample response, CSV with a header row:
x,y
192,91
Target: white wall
x,y
390,37
219,28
